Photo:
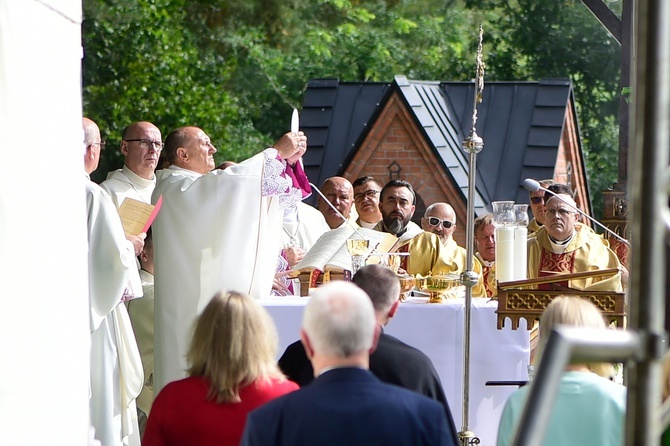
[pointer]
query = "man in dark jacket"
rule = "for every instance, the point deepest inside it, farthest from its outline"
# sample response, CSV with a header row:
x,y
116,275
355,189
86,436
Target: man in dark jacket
x,y
393,361
346,404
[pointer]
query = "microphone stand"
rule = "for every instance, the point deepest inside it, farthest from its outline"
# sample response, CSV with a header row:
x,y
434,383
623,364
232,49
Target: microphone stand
x,y
374,249
533,186
339,214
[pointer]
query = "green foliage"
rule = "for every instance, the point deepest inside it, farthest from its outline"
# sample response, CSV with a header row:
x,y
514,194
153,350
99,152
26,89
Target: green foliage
x,y
237,67
142,63
534,39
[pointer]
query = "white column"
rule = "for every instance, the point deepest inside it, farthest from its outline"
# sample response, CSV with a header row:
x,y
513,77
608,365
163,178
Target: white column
x,y
44,338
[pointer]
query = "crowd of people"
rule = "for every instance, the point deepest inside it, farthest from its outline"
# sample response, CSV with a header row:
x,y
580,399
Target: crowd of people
x,y
182,354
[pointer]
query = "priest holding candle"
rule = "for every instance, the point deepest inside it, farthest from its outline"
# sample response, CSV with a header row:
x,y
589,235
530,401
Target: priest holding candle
x,y
217,230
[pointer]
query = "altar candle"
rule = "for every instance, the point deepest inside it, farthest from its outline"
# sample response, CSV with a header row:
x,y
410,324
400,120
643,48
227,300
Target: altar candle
x,y
520,253
504,237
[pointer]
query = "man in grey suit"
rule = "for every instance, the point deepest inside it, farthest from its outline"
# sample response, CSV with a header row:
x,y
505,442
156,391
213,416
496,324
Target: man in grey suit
x,y
346,404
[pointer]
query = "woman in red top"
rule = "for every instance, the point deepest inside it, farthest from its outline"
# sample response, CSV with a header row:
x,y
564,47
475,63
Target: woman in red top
x,y
232,371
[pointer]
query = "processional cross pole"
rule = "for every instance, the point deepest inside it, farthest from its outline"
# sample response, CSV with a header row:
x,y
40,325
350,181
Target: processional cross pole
x,y
472,145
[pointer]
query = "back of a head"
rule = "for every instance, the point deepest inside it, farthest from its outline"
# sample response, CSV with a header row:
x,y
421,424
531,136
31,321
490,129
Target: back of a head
x,y
576,312
91,131
339,320
381,284
234,343
176,139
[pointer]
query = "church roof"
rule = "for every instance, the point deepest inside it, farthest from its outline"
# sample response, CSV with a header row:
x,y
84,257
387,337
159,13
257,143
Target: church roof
x,y
521,124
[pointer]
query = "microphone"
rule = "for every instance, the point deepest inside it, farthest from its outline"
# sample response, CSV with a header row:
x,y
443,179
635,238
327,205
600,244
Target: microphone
x,y
533,186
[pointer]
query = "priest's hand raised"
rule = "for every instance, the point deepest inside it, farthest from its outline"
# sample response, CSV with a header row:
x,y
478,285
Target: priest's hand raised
x,y
291,146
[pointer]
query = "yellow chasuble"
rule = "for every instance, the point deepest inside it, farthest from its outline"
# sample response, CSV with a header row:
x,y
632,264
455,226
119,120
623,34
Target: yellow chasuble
x,y
533,227
427,255
585,252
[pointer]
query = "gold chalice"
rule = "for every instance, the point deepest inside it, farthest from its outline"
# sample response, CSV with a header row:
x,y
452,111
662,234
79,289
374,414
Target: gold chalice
x,y
392,261
439,287
357,246
357,249
407,282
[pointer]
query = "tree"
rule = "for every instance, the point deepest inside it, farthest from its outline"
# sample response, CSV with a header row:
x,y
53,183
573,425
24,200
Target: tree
x,y
142,63
533,39
236,68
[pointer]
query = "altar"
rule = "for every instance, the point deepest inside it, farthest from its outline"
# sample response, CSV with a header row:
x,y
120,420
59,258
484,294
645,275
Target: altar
x,y
437,330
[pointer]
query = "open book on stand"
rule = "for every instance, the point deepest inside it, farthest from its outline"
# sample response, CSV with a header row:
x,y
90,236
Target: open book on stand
x,y
329,253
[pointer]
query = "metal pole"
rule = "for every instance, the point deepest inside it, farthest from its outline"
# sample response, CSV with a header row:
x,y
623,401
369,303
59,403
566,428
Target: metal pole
x,y
472,145
568,345
650,143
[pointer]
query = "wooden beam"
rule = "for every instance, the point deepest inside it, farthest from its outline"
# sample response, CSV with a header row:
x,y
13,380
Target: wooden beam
x,y
605,15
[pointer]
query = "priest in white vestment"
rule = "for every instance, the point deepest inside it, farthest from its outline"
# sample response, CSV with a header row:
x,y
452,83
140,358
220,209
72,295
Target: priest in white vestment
x,y
141,147
217,230
116,370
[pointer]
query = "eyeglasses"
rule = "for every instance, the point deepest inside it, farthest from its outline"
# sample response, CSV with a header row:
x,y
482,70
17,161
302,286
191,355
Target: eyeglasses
x,y
367,194
147,143
434,221
561,212
102,144
536,200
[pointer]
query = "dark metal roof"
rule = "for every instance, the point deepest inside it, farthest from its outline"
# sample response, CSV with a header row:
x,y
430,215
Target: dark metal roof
x,y
521,124
334,116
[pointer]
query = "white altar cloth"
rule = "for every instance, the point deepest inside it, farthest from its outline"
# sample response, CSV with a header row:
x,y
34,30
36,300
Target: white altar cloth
x,y
437,330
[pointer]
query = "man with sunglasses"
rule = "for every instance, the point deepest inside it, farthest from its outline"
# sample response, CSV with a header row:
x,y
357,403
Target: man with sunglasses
x,y
563,245
440,219
141,147
537,201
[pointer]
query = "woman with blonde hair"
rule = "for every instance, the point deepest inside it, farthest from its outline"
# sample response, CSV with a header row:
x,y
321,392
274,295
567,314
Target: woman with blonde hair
x,y
232,370
589,408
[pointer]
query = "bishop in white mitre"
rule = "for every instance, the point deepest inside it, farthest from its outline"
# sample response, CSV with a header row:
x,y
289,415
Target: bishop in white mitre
x,y
217,230
116,373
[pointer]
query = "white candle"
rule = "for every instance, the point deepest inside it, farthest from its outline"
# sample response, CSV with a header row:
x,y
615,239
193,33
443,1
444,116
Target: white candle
x,y
520,253
295,121
504,237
